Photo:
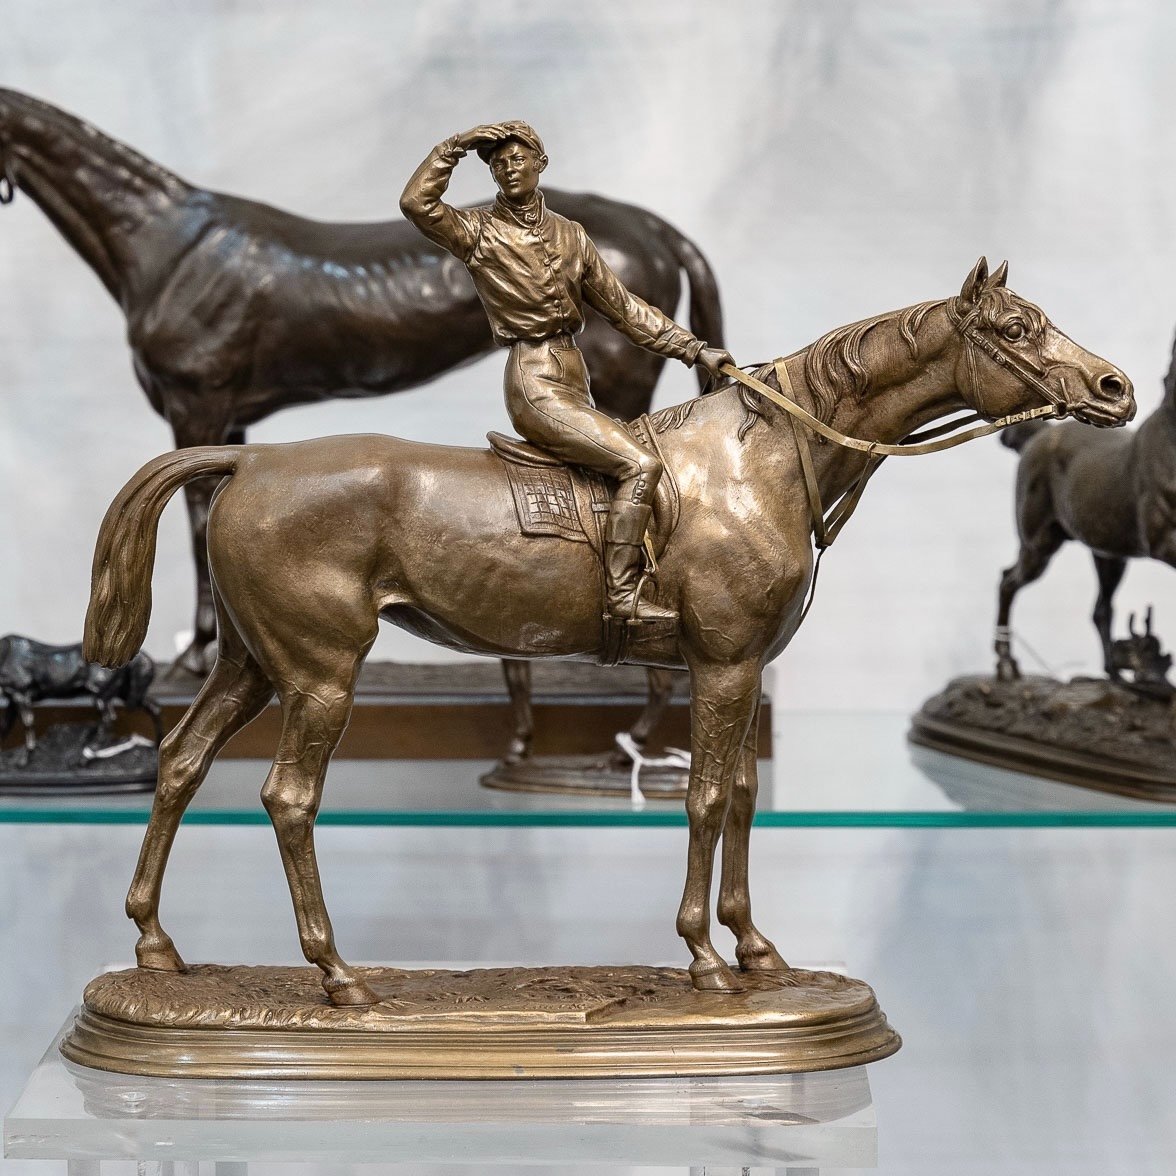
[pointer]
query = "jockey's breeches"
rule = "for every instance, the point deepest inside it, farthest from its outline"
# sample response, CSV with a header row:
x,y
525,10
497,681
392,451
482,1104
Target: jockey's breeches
x,y
549,402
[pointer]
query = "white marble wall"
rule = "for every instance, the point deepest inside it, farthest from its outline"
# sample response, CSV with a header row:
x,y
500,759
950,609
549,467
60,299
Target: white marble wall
x,y
833,158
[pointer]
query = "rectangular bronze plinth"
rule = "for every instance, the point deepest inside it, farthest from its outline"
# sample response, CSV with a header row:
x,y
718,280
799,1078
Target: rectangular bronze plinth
x,y
275,1022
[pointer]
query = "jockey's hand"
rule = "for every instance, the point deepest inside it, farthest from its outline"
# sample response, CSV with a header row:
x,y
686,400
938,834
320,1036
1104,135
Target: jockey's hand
x,y
483,133
710,359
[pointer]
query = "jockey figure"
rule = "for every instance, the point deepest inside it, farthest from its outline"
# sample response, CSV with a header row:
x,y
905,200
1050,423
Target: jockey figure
x,y
533,270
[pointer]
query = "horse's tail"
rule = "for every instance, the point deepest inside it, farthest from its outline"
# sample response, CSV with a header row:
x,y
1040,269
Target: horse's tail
x,y
1018,436
120,586
706,311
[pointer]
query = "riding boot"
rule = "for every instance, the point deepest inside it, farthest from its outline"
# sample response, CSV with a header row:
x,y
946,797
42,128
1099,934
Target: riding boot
x,y
624,543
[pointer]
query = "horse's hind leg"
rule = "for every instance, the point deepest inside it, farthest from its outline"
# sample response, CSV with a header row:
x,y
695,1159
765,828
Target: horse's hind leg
x,y
316,705
753,950
235,693
518,685
1110,573
1036,552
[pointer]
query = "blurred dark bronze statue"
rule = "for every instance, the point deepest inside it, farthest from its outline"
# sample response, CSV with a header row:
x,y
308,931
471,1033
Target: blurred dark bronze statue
x,y
1115,494
73,756
235,309
312,543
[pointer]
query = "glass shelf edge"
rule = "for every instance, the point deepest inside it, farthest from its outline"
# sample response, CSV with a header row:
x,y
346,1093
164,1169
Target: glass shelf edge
x,y
800,819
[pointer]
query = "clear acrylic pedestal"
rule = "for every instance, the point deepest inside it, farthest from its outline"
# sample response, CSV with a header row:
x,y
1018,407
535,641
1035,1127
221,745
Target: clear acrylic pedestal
x,y
797,1123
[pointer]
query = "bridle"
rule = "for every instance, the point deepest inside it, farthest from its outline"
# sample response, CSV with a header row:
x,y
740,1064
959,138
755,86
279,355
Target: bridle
x,y
827,525
1025,369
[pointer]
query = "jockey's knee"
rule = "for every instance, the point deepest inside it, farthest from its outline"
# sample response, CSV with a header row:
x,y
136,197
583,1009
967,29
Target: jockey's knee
x,y
641,481
647,469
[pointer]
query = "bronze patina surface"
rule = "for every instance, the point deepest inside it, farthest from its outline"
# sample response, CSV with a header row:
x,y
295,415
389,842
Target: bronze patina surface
x,y
272,1022
236,309
312,543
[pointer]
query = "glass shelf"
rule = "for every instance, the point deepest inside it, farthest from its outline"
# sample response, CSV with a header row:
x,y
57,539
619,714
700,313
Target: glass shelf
x,y
846,769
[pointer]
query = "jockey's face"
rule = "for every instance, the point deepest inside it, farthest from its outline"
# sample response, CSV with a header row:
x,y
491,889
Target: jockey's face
x,y
515,168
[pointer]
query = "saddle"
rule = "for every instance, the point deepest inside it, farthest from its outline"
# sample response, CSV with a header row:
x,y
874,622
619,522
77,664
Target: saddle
x,y
555,500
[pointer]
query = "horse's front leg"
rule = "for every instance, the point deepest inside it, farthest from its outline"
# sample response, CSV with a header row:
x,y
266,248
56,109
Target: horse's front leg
x,y
28,719
723,701
753,950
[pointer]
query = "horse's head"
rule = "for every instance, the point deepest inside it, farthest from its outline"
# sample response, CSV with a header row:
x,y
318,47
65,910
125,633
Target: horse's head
x,y
1012,358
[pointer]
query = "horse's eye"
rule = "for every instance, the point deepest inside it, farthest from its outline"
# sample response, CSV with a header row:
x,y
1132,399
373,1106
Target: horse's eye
x,y
1014,331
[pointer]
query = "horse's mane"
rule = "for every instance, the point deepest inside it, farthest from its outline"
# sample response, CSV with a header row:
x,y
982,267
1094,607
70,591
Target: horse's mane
x,y
69,124
833,369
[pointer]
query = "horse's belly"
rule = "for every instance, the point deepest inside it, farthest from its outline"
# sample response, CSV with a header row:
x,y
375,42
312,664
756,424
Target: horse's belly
x,y
514,596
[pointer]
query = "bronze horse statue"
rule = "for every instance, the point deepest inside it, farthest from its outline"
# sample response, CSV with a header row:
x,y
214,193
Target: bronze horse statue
x,y
1115,493
312,543
235,309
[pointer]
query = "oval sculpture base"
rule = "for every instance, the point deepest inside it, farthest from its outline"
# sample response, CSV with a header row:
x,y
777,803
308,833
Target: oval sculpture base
x,y
596,1022
1088,732
585,775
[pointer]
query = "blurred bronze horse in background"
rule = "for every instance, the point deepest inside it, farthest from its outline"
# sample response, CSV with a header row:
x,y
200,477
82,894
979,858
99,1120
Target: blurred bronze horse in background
x,y
235,309
1113,492
313,543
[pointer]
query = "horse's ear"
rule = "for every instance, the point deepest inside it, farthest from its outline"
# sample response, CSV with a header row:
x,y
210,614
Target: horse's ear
x,y
974,283
1000,275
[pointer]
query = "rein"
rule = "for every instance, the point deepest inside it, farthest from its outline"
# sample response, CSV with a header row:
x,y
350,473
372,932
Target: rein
x,y
827,525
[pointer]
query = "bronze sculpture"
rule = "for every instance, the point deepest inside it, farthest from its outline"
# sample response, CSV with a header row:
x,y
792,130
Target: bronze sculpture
x,y
312,543
235,309
73,756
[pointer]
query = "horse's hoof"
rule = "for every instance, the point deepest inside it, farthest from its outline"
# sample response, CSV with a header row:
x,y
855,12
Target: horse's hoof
x,y
517,753
350,993
159,957
1007,670
761,959
713,978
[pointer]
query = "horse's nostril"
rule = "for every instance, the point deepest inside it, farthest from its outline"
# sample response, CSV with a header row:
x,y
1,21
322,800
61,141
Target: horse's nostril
x,y
1111,385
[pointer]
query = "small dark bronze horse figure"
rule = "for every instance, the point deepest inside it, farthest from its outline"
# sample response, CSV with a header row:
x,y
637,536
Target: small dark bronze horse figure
x,y
1113,492
235,309
311,544
32,672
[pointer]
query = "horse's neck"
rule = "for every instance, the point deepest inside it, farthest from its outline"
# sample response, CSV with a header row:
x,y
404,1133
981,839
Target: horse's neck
x,y
99,193
907,383
717,441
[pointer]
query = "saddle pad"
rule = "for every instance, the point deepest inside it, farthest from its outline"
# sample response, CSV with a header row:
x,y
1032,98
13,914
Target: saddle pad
x,y
545,501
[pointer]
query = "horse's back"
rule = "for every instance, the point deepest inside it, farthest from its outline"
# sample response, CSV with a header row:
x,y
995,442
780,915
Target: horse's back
x,y
364,525
1091,482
